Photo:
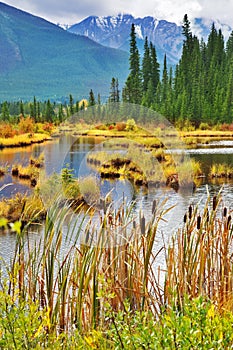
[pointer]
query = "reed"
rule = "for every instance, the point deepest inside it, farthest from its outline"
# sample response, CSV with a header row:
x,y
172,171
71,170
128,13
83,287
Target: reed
x,y
91,279
75,272
199,260
221,170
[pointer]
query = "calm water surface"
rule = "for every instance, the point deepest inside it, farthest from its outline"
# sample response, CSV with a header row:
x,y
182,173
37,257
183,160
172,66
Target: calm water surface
x,y
70,151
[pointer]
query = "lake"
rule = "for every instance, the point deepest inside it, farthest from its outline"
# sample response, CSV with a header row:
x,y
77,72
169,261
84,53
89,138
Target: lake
x,y
71,151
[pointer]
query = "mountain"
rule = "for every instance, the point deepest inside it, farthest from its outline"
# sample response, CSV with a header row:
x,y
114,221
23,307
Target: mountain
x,y
113,31
38,58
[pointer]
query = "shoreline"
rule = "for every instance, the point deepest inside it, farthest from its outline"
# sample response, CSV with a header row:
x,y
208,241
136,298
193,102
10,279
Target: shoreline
x,y
23,140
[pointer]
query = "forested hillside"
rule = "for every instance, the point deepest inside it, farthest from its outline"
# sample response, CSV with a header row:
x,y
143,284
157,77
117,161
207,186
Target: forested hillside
x,y
200,89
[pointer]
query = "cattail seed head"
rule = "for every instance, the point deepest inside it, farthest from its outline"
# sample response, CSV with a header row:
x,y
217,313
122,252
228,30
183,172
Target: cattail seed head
x,y
224,212
143,225
228,221
198,222
185,218
190,211
214,203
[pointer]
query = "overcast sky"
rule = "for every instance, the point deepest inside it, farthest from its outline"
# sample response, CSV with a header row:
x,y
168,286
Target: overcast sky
x,y
72,11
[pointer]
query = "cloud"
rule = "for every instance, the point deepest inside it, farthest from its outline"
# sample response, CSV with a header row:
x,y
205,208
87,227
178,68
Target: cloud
x,y
72,11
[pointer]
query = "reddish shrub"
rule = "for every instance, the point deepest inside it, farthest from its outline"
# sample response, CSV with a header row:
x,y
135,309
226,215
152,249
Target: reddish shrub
x,y
48,127
6,130
120,126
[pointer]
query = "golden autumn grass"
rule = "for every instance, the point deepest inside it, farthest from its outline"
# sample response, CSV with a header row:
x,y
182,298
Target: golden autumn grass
x,y
23,140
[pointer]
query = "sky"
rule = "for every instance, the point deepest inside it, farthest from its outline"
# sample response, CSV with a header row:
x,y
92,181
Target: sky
x,y
73,11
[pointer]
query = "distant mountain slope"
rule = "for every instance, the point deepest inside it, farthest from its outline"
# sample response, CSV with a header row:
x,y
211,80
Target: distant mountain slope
x,y
39,58
113,31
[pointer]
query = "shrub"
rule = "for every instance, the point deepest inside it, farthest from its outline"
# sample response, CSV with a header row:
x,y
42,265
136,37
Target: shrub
x,y
226,127
48,127
131,125
101,127
204,126
26,125
121,126
6,130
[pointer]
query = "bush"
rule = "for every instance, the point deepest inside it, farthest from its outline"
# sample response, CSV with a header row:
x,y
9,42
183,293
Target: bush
x,y
101,127
6,130
26,125
204,126
121,126
131,125
226,127
48,128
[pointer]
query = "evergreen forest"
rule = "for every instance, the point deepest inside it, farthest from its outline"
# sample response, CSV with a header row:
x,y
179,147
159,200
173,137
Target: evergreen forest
x,y
199,89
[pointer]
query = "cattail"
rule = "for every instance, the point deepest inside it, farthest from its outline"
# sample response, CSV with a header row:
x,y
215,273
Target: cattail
x,y
143,225
190,211
224,212
198,222
207,216
185,218
153,206
228,221
134,225
214,203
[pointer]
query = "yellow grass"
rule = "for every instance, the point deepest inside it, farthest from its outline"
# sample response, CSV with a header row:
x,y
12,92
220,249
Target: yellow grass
x,y
23,140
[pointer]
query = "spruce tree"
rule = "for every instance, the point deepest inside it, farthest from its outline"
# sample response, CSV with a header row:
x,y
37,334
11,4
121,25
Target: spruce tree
x,y
146,66
91,99
155,72
114,91
132,91
71,104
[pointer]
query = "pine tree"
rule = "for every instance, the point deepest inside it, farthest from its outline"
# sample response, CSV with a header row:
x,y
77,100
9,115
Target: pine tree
x,y
114,91
146,66
91,99
155,72
132,91
71,104
21,108
5,114
49,112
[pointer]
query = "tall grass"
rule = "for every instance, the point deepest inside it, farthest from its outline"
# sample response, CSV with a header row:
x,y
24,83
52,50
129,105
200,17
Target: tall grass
x,y
68,269
200,260
95,272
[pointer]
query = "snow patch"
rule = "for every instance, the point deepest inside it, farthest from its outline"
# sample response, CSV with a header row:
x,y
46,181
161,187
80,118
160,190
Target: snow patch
x,y
138,31
102,22
155,22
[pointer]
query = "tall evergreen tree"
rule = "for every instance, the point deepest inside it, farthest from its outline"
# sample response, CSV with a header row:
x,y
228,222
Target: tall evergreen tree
x,y
71,104
146,66
91,99
155,71
132,91
114,91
